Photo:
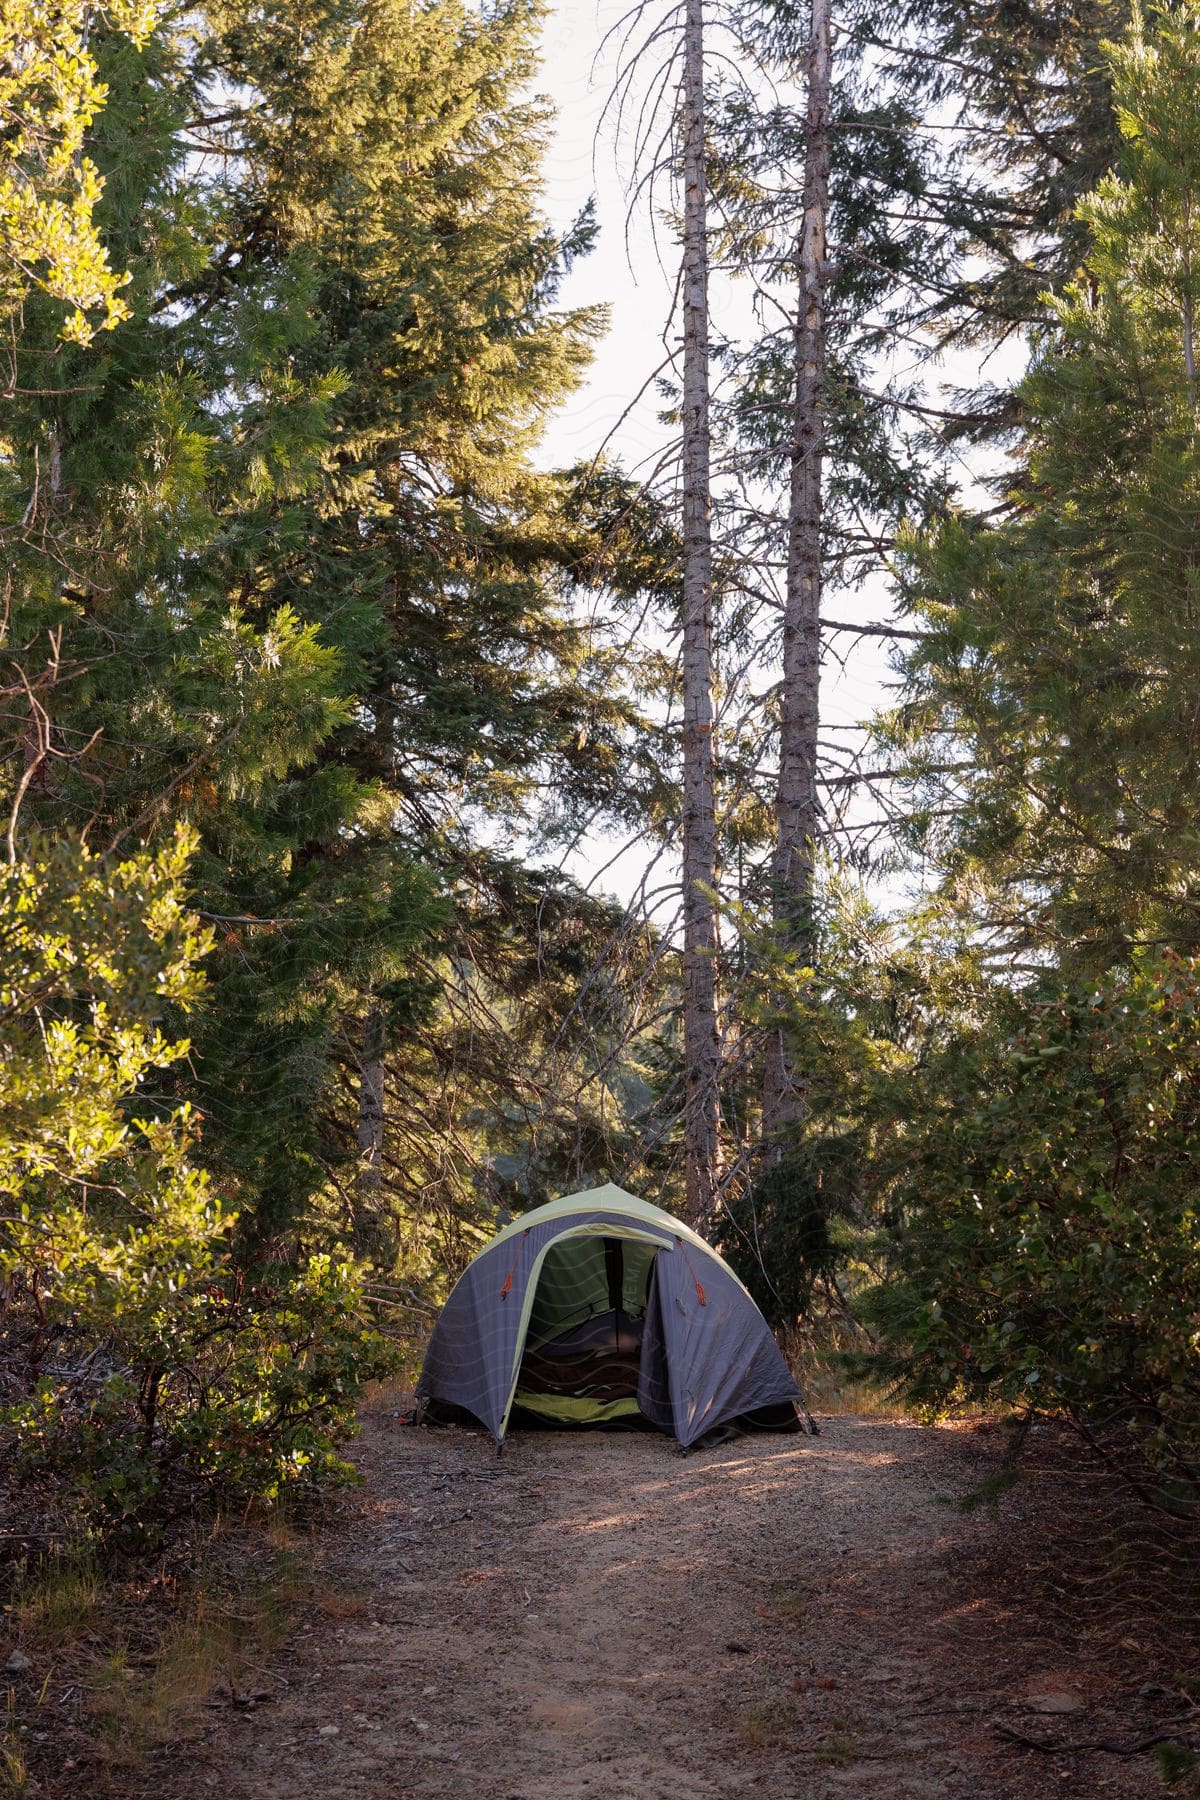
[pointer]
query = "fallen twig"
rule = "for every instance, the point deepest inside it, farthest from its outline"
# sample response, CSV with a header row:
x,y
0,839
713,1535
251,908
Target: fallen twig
x,y
1105,1744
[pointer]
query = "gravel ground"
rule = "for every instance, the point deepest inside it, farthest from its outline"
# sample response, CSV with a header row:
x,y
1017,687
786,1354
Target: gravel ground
x,y
593,1617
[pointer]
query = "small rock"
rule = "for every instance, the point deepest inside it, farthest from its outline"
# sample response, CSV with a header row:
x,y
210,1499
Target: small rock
x,y
1056,1703
17,1663
328,1730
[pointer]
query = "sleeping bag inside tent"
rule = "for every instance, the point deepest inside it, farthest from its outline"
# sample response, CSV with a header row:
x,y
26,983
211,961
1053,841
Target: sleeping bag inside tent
x,y
597,1308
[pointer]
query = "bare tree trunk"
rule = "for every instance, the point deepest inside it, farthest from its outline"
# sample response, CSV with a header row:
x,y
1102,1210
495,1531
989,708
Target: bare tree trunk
x,y
792,865
368,1186
370,1234
702,1055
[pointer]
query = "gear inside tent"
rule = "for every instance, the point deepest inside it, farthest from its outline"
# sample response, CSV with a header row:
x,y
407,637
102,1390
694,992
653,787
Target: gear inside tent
x,y
601,1308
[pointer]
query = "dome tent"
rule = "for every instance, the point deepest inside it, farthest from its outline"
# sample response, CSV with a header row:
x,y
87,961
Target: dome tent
x,y
600,1306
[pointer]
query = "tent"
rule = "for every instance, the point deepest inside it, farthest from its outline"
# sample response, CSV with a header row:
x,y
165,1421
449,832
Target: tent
x,y
597,1308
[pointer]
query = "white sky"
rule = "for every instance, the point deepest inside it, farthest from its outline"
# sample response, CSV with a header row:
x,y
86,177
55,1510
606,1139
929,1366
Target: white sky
x,y
631,284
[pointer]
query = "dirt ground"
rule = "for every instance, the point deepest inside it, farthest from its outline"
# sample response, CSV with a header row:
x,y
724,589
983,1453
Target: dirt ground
x,y
593,1617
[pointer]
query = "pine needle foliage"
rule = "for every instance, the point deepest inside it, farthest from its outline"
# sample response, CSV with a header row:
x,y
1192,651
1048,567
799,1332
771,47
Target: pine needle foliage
x,y
1036,1165
282,575
1059,660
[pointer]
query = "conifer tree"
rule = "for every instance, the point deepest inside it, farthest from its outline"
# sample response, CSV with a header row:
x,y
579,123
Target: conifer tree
x,y
134,469
401,169
702,1051
314,597
139,1370
816,183
1058,667
1013,114
797,813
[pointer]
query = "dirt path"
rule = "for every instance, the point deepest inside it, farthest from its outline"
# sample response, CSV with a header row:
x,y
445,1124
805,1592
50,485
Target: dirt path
x,y
595,1618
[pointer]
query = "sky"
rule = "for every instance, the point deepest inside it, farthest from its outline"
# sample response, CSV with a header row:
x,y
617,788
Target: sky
x,y
625,276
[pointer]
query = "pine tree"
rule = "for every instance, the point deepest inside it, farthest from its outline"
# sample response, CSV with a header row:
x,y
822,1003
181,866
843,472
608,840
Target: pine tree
x,y
797,811
1014,114
139,1370
316,599
398,165
702,1051
134,470
1059,666
818,187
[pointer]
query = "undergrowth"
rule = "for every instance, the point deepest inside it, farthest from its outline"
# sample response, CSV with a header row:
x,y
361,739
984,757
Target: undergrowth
x,y
107,1663
825,1356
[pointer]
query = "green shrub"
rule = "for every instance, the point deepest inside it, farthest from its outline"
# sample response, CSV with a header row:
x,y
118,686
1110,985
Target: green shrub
x,y
1046,1226
776,1235
148,1367
248,1393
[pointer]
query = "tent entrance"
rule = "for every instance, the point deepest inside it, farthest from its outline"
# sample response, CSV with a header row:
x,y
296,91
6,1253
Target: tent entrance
x,y
583,1346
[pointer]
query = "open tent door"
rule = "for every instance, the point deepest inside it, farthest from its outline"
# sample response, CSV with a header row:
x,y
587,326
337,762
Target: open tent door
x,y
582,1356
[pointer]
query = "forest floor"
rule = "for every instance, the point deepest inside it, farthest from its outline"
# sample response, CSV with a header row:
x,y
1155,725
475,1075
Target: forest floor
x,y
592,1617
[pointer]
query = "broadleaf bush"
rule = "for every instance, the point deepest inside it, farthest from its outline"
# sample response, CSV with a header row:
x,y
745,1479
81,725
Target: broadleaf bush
x,y
1045,1220
141,1370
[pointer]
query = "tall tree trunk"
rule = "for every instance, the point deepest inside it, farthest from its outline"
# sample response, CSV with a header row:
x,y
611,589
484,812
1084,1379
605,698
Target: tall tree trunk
x,y
798,818
368,1187
702,1055
369,1226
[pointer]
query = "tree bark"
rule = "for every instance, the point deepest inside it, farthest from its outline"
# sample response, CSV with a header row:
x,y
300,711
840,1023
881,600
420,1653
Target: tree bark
x,y
368,1187
784,1086
702,1053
